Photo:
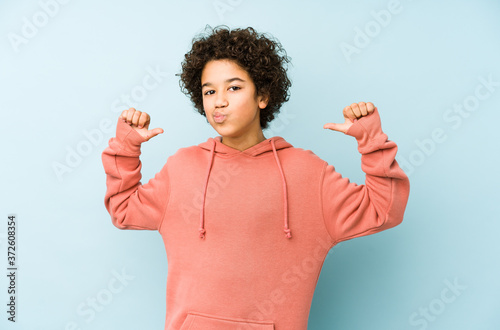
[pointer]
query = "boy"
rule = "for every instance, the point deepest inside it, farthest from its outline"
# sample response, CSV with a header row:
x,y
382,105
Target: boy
x,y
247,221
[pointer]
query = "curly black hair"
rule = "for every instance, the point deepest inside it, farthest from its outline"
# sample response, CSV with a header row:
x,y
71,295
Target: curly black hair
x,y
261,55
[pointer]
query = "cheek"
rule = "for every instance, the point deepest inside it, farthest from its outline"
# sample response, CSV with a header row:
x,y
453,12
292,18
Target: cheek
x,y
242,103
207,105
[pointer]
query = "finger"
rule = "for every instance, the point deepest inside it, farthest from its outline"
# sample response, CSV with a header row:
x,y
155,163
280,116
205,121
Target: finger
x,y
333,126
338,127
370,107
362,108
143,120
135,118
348,113
154,132
124,114
157,131
355,110
130,115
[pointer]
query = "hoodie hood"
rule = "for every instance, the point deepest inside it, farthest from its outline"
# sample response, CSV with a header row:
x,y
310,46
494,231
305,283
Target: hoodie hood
x,y
215,146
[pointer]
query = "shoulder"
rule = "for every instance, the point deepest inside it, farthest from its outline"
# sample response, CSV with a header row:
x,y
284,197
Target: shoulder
x,y
184,153
187,157
302,156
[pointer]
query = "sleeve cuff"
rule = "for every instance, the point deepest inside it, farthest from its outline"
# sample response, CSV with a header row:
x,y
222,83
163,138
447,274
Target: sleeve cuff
x,y
128,137
368,132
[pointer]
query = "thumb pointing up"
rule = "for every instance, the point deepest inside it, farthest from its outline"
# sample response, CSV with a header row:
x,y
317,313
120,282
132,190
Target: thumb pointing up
x,y
352,113
140,123
148,134
339,127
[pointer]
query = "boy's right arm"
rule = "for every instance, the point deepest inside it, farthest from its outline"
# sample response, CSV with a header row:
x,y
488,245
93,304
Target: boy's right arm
x,y
131,204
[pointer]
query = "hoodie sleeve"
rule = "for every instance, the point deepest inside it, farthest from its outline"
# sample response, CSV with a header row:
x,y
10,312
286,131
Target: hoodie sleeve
x,y
352,210
131,204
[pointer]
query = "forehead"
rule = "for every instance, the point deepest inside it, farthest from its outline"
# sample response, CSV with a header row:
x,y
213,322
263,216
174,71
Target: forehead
x,y
220,70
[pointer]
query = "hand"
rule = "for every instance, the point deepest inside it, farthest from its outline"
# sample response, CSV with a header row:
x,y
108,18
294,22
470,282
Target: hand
x,y
352,112
140,122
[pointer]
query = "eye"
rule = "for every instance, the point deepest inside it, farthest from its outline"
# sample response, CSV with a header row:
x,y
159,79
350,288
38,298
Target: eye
x,y
235,87
206,93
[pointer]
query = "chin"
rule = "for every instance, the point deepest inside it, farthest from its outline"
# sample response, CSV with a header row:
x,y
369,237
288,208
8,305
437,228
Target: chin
x,y
226,132
222,131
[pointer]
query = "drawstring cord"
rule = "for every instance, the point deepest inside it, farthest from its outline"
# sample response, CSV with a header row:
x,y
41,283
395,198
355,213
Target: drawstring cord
x,y
202,215
285,202
285,193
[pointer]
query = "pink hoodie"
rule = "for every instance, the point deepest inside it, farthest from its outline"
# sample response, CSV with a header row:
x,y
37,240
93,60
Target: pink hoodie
x,y
246,232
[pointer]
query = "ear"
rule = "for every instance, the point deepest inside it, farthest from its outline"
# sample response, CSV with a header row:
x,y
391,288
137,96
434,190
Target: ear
x,y
263,100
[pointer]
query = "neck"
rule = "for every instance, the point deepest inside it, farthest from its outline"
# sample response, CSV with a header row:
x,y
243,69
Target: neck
x,y
243,142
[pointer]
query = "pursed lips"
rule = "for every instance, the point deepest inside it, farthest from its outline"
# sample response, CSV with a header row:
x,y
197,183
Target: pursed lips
x,y
219,117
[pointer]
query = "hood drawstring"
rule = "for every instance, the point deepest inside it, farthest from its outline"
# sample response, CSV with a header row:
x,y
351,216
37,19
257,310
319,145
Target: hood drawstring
x,y
202,214
285,193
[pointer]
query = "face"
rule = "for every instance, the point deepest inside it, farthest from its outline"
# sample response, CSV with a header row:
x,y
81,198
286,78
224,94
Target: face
x,y
230,101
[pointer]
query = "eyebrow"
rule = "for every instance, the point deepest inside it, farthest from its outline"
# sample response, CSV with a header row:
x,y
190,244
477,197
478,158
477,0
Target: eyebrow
x,y
227,81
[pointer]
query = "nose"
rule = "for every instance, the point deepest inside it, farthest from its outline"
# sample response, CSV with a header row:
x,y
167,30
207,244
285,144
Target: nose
x,y
221,100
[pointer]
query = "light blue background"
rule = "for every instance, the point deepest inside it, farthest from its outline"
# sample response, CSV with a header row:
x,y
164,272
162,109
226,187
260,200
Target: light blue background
x,y
64,81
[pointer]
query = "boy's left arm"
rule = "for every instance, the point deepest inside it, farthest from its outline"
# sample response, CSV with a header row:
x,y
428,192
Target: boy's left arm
x,y
351,210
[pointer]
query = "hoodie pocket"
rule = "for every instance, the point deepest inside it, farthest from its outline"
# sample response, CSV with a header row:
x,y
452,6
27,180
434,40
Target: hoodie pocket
x,y
201,321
